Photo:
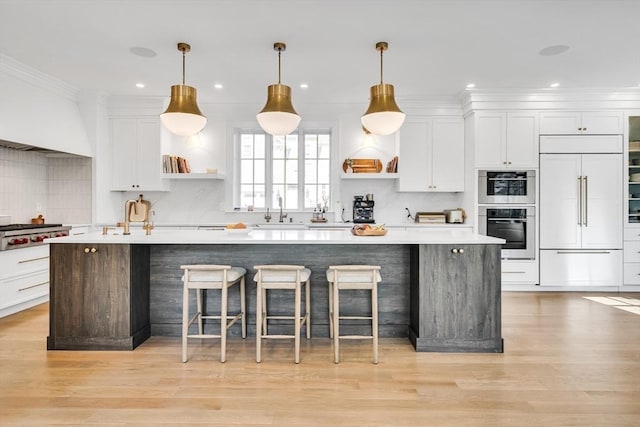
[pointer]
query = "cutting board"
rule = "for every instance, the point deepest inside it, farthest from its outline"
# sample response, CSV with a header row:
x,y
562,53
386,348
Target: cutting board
x,y
363,165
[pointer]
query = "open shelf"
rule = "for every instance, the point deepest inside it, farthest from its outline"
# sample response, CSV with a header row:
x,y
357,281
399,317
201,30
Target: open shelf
x,y
193,175
365,175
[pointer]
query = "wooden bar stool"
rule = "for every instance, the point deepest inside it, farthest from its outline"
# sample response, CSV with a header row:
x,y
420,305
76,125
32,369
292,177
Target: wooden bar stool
x,y
271,277
205,277
352,277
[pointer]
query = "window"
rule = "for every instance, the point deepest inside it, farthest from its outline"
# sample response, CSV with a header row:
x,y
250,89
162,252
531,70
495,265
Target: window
x,y
293,170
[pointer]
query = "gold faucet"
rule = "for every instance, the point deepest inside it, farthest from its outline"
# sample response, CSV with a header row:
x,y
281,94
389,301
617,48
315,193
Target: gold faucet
x,y
136,211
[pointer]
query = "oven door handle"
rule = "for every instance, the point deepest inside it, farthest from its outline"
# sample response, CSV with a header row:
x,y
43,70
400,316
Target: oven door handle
x,y
507,220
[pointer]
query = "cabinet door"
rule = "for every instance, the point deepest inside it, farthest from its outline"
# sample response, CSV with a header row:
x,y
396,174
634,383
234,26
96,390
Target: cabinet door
x,y
559,201
602,228
560,123
490,139
580,268
124,157
602,122
522,140
447,155
149,155
413,172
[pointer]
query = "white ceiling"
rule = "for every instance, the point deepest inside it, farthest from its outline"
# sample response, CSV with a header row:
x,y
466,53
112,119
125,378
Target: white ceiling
x,y
435,47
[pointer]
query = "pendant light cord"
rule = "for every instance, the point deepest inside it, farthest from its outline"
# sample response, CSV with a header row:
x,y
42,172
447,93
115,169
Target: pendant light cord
x,y
183,61
381,50
279,54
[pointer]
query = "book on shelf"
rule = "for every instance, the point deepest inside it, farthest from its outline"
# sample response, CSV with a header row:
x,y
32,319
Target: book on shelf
x,y
175,164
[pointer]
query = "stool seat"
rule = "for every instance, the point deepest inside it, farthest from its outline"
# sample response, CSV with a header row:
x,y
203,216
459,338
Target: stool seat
x,y
282,277
352,277
203,277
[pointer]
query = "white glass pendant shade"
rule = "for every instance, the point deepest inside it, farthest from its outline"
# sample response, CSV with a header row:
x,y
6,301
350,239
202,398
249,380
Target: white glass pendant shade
x,y
182,116
278,116
383,117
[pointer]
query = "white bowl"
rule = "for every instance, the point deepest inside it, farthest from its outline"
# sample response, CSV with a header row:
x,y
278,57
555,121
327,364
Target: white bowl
x,y
635,177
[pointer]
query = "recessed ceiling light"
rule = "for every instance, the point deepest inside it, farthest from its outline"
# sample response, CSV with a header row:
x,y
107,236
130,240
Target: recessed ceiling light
x,y
145,52
304,86
471,85
140,85
218,86
556,49
555,84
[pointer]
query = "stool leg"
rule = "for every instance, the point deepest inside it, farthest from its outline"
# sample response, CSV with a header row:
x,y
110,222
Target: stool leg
x,y
185,321
199,308
330,309
264,311
258,321
243,308
307,293
374,320
297,313
336,323
223,321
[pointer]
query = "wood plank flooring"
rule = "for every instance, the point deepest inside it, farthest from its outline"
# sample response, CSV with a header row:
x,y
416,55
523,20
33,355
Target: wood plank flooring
x,y
568,361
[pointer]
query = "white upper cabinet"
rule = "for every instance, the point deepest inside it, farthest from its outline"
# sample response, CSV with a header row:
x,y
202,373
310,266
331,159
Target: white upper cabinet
x,y
136,156
506,139
431,155
586,122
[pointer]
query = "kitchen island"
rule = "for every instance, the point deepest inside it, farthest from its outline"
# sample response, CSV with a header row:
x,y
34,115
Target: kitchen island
x,y
441,289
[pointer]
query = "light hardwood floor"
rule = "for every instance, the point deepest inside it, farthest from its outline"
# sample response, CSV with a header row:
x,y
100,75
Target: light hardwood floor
x,y
567,361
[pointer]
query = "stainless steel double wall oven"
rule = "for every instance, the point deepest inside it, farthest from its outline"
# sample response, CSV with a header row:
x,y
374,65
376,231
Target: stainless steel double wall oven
x,y
507,210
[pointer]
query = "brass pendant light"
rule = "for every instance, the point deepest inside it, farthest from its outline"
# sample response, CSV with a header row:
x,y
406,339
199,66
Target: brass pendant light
x,y
183,117
383,117
278,116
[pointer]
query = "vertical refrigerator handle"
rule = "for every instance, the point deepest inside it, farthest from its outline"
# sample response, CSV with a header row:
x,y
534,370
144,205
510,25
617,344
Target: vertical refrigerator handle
x,y
586,198
579,201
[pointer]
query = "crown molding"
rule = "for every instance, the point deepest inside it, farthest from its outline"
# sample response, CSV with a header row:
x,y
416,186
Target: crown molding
x,y
30,75
551,99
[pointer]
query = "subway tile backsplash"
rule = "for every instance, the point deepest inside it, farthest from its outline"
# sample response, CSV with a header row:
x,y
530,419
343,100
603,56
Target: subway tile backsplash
x,y
33,183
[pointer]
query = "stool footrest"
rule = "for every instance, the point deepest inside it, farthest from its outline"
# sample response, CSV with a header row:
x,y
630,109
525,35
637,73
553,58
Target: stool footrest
x,y
278,337
204,336
355,337
355,317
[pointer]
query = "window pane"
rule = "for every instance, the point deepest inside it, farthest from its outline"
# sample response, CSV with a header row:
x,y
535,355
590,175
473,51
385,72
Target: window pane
x,y
323,171
278,171
260,144
324,146
278,191
292,146
278,147
246,146
323,193
292,197
259,197
310,171
292,171
246,195
310,200
246,171
310,146
259,172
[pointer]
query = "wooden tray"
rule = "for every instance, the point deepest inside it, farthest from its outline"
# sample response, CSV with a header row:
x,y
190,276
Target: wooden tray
x,y
368,232
363,165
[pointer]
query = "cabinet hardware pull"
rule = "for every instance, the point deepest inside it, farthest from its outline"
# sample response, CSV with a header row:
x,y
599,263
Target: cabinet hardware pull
x,y
586,200
579,201
454,251
32,259
514,272
93,250
461,251
32,286
584,253
86,250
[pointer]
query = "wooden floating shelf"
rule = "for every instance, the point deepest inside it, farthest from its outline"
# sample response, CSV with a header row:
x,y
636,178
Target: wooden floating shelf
x,y
369,175
193,176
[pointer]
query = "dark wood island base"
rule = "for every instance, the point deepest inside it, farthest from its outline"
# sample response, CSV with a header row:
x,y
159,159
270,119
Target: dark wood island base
x,y
445,298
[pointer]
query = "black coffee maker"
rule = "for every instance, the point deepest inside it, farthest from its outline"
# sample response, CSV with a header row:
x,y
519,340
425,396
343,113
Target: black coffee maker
x,y
363,209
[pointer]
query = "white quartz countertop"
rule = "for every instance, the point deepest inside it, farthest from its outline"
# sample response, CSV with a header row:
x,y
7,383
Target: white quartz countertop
x,y
258,236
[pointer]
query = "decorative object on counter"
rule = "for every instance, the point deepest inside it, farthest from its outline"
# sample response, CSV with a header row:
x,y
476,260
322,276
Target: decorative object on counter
x,y
392,166
282,277
383,117
175,164
38,220
238,228
368,230
318,214
455,216
362,165
278,116
202,278
430,217
136,211
352,277
182,116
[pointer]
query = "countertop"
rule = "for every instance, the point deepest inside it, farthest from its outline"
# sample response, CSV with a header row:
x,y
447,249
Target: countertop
x,y
259,236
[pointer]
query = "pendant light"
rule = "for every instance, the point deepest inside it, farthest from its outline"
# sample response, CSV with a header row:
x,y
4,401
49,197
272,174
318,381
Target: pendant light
x,y
183,117
278,116
383,117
